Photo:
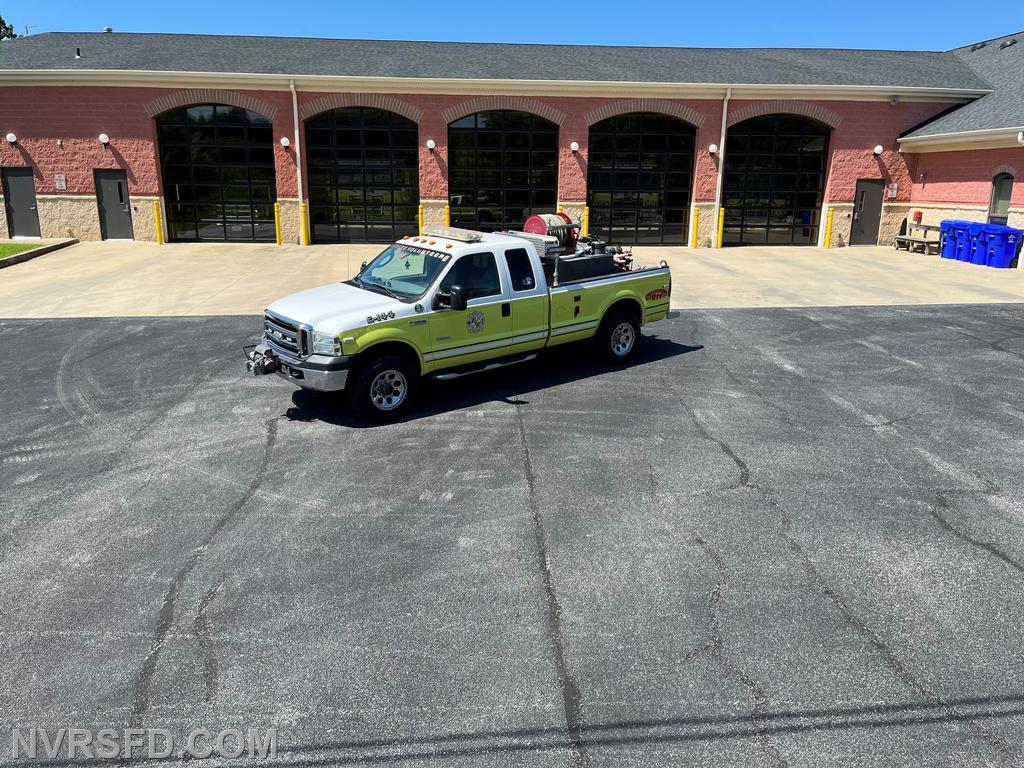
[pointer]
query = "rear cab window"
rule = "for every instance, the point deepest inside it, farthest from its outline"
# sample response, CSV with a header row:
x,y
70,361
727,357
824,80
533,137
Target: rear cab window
x,y
520,269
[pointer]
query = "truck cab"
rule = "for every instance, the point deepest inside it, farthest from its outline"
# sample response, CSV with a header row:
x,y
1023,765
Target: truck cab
x,y
448,303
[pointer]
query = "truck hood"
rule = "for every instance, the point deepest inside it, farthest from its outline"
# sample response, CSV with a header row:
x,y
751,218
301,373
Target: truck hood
x,y
335,307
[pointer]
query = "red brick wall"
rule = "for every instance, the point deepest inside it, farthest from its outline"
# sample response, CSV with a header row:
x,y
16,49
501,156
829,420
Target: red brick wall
x,y
77,115
965,177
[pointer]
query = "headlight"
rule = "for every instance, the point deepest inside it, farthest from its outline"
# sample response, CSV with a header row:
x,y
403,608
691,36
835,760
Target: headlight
x,y
326,344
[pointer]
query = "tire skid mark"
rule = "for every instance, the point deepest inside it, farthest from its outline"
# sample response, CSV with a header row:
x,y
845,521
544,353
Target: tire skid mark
x,y
165,617
874,640
572,699
204,637
72,399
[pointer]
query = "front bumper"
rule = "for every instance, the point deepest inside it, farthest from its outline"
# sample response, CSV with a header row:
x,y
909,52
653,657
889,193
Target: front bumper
x,y
318,372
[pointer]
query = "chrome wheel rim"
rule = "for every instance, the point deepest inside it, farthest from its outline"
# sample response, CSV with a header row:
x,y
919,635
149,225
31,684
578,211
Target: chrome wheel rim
x,y
623,339
388,390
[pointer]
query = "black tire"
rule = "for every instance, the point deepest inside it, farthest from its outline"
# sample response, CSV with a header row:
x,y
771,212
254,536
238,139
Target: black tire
x,y
384,388
618,337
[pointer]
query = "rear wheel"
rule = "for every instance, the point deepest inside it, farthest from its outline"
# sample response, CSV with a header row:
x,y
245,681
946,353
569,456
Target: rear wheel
x,y
383,389
617,337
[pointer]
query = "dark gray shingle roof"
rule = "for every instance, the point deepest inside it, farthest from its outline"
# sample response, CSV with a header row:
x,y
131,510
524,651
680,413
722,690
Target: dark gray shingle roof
x,y
1003,67
368,58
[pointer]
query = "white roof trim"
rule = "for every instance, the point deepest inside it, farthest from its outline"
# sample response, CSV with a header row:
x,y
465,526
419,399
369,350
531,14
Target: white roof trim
x,y
483,86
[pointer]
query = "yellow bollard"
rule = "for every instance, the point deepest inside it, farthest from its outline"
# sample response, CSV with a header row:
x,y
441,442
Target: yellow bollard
x,y
420,219
828,227
585,228
303,225
277,223
721,225
158,223
696,227
447,215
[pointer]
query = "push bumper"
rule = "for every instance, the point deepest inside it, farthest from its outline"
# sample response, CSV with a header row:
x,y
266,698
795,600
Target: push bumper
x,y
318,372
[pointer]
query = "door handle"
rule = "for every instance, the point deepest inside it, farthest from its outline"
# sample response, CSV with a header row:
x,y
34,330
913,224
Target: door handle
x,y
506,309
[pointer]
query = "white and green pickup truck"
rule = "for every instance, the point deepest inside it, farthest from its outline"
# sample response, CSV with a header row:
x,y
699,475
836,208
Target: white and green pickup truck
x,y
452,302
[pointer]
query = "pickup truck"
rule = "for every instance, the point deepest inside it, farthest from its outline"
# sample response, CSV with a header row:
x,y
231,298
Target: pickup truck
x,y
451,302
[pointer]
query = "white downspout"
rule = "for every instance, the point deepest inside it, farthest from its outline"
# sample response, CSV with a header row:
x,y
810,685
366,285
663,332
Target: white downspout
x,y
721,164
298,163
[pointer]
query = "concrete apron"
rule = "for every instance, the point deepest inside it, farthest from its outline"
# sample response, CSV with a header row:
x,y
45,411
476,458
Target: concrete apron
x,y
101,279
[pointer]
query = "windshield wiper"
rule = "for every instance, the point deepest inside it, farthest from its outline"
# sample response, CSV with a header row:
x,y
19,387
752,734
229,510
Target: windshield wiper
x,y
382,287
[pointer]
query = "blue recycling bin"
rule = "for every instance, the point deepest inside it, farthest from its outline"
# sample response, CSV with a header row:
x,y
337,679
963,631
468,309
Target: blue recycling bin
x,y
1003,245
962,233
947,228
979,244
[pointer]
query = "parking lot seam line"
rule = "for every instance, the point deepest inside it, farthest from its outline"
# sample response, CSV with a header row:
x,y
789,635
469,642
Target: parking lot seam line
x,y
165,617
571,697
941,502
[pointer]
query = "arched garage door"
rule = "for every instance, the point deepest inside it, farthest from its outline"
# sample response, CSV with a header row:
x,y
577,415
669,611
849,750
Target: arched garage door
x,y
774,179
639,178
217,163
363,175
504,167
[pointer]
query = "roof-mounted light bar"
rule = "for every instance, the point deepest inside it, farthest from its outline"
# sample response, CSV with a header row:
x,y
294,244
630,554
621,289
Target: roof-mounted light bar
x,y
455,233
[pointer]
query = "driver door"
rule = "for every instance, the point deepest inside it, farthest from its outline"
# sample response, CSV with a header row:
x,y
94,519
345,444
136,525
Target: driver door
x,y
484,329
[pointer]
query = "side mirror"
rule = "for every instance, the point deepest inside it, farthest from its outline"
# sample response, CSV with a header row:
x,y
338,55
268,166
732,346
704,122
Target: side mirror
x,y
459,298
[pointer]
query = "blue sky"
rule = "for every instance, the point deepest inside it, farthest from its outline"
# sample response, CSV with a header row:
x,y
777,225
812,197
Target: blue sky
x,y
940,24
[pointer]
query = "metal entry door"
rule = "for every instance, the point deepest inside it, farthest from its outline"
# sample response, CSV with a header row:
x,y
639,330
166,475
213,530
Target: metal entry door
x,y
115,209
20,202
867,212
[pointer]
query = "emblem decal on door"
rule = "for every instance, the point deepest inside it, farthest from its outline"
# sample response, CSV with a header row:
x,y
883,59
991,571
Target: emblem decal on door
x,y
475,322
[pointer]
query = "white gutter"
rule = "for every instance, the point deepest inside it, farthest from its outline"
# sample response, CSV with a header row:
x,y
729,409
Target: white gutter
x,y
298,162
721,164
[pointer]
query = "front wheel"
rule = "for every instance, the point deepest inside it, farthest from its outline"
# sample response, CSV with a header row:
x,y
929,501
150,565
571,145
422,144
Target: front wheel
x,y
617,337
384,389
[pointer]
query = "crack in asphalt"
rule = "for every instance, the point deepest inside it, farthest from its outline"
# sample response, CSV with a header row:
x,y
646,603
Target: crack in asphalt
x,y
165,617
943,504
895,664
715,647
572,699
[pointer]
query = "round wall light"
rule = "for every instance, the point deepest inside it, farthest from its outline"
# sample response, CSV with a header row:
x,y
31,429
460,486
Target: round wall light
x,y
575,146
879,149
286,142
11,138
713,149
104,139
431,145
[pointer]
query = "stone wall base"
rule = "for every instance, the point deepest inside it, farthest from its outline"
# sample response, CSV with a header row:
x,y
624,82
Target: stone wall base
x,y
433,212
893,215
842,224
4,234
291,220
707,226
573,209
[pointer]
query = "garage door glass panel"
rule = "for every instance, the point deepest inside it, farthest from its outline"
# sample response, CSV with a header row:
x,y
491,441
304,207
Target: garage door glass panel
x,y
363,176
640,178
504,169
221,157
773,181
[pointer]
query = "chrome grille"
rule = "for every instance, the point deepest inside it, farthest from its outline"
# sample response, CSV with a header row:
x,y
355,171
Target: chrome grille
x,y
284,334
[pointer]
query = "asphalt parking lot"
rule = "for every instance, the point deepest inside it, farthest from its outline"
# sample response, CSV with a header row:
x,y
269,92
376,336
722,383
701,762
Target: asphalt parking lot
x,y
782,537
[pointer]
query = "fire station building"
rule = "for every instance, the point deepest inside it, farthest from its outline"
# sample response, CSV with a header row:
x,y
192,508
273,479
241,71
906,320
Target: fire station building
x,y
209,138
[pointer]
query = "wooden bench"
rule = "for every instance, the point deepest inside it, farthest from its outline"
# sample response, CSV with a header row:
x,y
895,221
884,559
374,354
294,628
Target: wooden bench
x,y
925,242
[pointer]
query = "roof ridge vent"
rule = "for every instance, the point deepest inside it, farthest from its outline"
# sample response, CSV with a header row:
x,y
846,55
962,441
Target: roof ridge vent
x,y
1007,43
977,47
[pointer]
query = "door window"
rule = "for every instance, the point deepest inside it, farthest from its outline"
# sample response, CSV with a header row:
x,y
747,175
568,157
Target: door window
x,y
1002,187
520,269
475,272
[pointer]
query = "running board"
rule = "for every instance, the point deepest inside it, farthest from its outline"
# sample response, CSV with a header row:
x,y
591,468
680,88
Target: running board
x,y
492,365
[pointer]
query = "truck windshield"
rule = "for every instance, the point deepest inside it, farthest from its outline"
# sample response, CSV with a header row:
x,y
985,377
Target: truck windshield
x,y
402,271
